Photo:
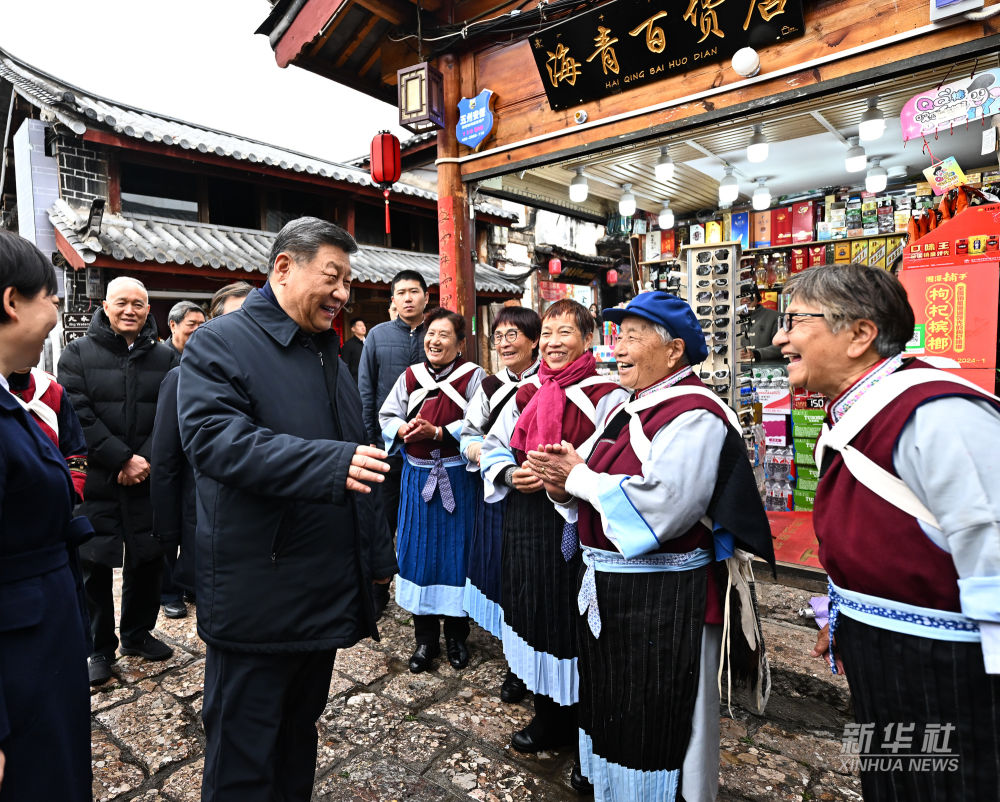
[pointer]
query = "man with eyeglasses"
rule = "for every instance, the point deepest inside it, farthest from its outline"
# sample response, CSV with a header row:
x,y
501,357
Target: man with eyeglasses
x,y
760,328
908,521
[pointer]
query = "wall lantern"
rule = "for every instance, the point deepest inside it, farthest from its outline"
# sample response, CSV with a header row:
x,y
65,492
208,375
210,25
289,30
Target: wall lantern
x,y
385,166
421,98
612,277
555,266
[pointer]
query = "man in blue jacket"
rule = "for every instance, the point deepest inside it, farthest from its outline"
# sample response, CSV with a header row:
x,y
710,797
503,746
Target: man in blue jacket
x,y
288,540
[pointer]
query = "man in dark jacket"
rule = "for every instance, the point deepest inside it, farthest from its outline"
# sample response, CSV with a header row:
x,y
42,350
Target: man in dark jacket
x,y
113,378
351,351
288,540
761,328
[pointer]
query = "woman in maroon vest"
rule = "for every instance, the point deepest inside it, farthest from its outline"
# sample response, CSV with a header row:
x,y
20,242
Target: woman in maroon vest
x,y
664,494
422,417
908,521
540,557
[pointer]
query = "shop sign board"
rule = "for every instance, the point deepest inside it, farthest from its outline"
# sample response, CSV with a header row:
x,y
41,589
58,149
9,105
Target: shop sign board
x,y
957,103
475,119
627,43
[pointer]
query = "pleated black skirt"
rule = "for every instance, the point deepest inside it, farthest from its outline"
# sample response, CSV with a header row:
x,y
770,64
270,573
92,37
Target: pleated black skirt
x,y
639,679
538,589
914,691
482,586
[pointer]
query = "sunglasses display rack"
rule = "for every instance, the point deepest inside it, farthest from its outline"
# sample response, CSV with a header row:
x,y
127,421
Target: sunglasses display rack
x,y
709,280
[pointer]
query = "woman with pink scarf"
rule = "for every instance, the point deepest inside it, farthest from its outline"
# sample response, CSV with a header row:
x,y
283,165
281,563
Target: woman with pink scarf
x,y
540,550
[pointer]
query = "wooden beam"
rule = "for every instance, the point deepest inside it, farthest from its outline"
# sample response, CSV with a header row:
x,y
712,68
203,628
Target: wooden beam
x,y
356,40
310,20
392,11
69,252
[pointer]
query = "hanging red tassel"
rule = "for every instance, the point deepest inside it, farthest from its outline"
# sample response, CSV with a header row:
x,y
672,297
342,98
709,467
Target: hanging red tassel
x,y
385,194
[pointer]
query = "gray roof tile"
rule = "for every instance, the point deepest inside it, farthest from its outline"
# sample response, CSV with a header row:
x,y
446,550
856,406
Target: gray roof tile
x,y
143,238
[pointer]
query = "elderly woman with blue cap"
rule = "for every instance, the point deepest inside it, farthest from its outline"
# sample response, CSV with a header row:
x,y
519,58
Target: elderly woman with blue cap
x,y
665,496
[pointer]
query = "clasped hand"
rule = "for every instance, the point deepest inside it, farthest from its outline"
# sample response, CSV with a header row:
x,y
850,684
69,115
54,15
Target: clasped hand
x,y
417,429
134,471
547,467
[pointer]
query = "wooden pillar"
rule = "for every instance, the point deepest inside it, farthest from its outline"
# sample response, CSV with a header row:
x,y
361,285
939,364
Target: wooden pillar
x,y
458,280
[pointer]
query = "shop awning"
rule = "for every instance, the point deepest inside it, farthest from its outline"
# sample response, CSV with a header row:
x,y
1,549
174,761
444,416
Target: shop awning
x,y
133,240
577,268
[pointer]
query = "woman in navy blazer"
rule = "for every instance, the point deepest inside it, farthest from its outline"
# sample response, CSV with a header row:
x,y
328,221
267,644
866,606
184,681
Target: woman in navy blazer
x,y
44,694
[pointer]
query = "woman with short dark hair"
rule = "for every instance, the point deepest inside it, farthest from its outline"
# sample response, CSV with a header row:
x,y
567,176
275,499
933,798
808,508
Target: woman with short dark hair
x,y
44,695
514,334
540,562
422,417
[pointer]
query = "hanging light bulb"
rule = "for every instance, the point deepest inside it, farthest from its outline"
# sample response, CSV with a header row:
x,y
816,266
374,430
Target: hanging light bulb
x,y
877,177
855,159
872,122
665,166
626,203
666,216
578,187
761,195
757,147
729,186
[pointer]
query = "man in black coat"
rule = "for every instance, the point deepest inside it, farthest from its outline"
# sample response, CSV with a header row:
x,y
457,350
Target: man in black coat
x,y
351,351
113,379
288,539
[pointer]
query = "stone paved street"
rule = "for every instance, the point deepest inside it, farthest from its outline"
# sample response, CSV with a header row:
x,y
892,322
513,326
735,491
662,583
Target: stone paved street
x,y
387,734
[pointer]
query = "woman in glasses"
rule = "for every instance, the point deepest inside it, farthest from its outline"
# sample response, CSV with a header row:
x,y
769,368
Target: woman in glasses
x,y
564,401
666,494
422,417
515,338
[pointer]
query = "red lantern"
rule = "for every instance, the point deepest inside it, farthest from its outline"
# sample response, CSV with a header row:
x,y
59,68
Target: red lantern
x,y
555,266
612,277
385,166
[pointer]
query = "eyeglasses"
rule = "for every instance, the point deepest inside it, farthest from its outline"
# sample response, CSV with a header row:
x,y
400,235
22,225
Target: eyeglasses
x,y
707,282
720,322
707,256
720,349
721,388
719,336
720,269
721,309
787,319
509,336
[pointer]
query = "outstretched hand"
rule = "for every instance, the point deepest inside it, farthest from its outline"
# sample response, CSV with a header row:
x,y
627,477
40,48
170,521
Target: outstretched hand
x,y
366,466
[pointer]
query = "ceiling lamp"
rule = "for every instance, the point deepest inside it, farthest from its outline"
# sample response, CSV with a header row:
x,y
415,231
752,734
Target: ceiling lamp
x,y
729,186
855,160
872,122
578,187
757,147
877,177
761,195
626,203
665,166
666,216
746,62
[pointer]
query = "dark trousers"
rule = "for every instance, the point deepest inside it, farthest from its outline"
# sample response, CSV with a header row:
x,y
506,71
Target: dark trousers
x,y
140,603
260,713
170,591
390,491
427,628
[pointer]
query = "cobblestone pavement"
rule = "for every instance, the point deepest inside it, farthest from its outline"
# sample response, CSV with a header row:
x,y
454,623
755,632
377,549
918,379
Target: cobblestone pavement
x,y
387,734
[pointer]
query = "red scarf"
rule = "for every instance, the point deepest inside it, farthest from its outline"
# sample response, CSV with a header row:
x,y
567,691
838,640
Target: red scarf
x,y
541,420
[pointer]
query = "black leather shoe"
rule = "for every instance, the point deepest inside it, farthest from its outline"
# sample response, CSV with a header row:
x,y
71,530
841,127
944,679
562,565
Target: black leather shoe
x,y
151,649
529,740
422,656
99,669
578,782
458,654
175,609
513,689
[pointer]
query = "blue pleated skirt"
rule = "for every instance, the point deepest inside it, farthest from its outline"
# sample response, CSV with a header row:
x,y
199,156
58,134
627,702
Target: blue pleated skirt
x,y
482,584
432,543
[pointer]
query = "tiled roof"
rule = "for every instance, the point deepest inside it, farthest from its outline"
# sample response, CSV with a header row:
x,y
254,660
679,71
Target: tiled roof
x,y
80,110
144,238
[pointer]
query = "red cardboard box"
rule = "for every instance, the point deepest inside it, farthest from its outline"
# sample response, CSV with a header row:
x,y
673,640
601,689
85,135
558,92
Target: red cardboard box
x,y
781,226
817,255
762,229
667,242
799,261
803,221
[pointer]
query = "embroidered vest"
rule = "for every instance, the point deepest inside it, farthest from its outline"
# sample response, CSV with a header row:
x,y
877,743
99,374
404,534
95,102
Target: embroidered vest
x,y
441,403
581,401
867,544
43,399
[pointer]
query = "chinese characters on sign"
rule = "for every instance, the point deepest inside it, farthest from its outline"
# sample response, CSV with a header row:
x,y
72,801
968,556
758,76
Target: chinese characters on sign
x,y
475,118
627,43
957,103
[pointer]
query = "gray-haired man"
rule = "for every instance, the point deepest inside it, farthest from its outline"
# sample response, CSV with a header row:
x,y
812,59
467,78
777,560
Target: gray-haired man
x,y
184,318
